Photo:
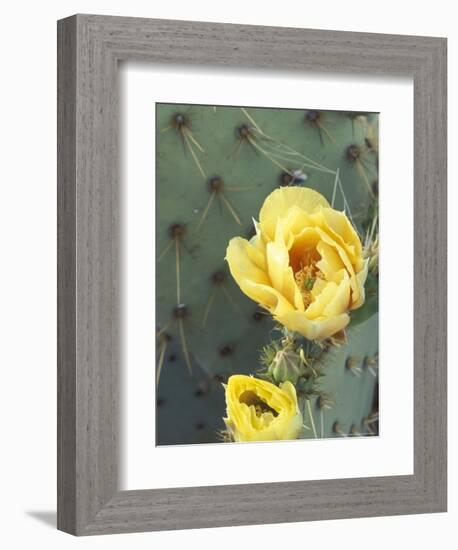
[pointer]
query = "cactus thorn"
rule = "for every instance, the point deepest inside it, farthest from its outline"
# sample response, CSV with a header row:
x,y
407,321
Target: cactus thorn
x,y
217,279
164,342
337,428
354,431
216,187
181,122
315,118
354,154
352,365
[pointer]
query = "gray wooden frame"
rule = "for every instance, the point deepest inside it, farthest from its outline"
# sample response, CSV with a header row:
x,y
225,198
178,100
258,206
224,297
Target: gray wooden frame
x,y
89,48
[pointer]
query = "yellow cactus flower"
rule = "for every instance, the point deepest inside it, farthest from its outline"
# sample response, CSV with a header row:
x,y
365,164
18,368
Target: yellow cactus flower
x,y
260,411
305,264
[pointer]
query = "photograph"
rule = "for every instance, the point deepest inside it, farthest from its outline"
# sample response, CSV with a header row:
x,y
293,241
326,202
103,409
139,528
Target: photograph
x,y
267,274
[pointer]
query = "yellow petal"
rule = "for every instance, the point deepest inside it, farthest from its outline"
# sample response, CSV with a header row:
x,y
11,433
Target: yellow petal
x,y
330,263
278,203
316,329
316,308
248,268
245,261
338,226
340,301
245,424
288,387
361,277
265,296
318,287
280,272
343,254
303,248
294,221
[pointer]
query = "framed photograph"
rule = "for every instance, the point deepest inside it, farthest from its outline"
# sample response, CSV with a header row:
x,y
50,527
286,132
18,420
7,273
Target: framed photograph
x,y
251,275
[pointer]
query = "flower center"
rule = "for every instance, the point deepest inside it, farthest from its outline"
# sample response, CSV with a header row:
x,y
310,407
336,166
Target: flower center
x,y
252,400
305,279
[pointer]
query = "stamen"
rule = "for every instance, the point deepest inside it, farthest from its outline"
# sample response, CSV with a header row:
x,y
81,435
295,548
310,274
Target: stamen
x,y
305,280
250,399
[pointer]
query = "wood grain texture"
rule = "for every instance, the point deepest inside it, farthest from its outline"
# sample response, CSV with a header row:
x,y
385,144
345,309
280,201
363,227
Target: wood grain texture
x,y
66,275
90,48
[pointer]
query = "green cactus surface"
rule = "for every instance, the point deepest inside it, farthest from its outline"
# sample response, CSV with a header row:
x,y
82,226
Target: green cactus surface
x,y
215,165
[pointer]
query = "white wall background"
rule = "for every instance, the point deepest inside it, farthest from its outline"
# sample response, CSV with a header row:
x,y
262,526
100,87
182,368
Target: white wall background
x,y
28,273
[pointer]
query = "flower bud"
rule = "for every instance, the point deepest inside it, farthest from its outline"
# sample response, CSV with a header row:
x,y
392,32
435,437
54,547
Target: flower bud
x,y
287,365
